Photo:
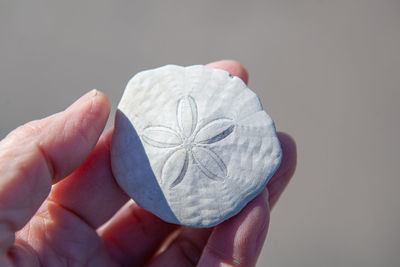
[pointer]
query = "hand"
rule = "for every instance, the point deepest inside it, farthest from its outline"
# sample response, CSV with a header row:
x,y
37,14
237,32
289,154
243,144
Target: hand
x,y
79,220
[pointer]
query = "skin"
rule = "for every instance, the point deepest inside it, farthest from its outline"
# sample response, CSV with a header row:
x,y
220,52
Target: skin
x,y
60,204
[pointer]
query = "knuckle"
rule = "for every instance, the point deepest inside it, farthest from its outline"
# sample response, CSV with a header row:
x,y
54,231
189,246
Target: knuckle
x,y
24,133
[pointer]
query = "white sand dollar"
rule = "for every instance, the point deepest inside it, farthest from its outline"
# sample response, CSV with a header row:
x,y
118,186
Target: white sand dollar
x,y
192,144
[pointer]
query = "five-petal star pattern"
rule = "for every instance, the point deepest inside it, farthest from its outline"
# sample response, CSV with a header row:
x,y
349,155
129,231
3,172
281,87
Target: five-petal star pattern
x,y
190,143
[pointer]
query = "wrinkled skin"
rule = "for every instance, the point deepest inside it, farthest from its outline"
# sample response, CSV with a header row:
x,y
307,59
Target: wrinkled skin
x,y
60,204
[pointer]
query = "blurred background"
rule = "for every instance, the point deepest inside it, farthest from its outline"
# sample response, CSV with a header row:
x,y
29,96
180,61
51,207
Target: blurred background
x,y
328,72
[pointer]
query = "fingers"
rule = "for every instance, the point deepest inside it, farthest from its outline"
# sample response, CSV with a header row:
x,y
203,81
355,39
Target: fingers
x,y
235,242
185,250
285,171
233,67
91,192
42,152
132,223
238,241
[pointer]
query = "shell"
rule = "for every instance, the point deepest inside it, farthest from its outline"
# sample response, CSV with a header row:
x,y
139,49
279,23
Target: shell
x,y
192,144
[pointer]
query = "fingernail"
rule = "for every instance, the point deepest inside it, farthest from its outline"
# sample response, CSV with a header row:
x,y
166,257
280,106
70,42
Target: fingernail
x,y
94,92
89,95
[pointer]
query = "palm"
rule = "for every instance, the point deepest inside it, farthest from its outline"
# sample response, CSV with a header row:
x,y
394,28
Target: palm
x,y
86,220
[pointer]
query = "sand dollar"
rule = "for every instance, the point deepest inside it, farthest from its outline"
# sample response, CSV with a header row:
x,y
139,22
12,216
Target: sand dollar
x,y
192,144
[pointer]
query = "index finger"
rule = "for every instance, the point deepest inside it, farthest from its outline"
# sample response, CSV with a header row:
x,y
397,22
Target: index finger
x,y
42,152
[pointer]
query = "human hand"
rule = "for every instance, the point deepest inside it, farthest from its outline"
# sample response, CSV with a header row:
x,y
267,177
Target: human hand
x,y
79,220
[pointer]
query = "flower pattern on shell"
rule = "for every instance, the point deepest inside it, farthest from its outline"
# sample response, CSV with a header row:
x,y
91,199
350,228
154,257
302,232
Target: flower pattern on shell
x,y
190,141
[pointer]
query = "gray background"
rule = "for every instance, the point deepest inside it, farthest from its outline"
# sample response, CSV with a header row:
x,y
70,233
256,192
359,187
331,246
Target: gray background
x,y
328,72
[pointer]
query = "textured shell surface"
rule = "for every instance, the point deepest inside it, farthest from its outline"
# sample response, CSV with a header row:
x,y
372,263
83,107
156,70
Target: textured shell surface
x,y
192,144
